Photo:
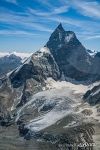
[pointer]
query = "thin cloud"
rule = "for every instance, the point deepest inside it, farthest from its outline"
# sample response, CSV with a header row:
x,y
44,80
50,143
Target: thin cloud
x,y
85,25
27,22
93,37
12,1
18,33
60,10
88,8
53,11
31,22
38,20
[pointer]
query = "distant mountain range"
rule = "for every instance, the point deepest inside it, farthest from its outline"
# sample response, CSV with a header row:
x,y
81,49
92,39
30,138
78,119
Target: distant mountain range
x,y
9,61
22,55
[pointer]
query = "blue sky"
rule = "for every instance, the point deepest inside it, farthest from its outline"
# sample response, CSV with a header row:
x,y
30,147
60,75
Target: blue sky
x,y
25,25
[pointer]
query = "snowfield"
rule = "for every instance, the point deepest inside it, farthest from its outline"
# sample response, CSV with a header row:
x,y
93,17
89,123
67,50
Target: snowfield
x,y
61,100
77,88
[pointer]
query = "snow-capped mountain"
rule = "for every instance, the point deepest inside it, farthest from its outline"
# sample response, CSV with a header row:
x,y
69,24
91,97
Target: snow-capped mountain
x,y
9,61
43,96
71,56
19,54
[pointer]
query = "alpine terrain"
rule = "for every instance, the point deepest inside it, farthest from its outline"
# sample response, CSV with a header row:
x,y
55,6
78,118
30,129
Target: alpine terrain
x,y
9,61
51,101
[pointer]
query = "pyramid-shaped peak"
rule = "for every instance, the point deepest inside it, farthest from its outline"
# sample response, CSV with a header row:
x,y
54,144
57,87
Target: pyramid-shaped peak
x,y
60,27
60,38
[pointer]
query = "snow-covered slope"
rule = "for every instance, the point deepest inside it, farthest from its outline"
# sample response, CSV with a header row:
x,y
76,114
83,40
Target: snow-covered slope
x,y
57,110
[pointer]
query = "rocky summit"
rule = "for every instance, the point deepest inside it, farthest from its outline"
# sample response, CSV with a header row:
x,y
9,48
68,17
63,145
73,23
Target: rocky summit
x,y
46,97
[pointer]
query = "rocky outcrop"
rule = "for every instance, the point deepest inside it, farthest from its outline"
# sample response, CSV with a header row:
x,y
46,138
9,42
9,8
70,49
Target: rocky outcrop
x,y
93,96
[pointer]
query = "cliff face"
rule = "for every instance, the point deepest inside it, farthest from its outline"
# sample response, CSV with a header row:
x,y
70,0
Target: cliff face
x,y
93,96
72,57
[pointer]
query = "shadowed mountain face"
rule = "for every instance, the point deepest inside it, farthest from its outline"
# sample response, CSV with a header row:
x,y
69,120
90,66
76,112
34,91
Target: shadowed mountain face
x,y
42,110
71,56
93,96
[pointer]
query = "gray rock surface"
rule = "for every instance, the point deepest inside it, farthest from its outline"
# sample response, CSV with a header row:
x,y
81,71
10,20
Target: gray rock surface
x,y
93,96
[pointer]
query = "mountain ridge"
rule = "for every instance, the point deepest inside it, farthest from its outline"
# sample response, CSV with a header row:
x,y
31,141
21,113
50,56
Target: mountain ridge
x,y
71,61
38,108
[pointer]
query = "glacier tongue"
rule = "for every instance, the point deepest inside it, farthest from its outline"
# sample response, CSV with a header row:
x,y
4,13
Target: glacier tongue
x,y
47,120
61,101
51,105
61,107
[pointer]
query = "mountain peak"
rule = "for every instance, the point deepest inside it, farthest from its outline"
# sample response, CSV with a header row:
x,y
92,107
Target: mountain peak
x,y
61,38
60,27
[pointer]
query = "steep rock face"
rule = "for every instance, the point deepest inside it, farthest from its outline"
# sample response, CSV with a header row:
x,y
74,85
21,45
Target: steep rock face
x,y
39,66
28,79
72,57
93,96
